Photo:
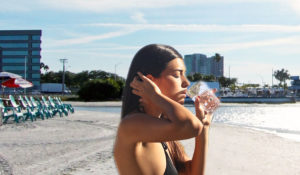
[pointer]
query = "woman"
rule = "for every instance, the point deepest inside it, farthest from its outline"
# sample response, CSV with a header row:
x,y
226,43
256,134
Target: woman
x,y
154,118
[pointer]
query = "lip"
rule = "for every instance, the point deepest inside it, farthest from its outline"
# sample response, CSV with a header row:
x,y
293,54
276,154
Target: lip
x,y
183,92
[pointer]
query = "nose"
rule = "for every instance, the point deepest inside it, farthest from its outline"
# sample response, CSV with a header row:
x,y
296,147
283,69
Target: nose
x,y
185,82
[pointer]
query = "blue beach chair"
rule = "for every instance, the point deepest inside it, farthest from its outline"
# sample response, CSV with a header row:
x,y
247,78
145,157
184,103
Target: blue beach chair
x,y
29,112
5,111
69,107
41,107
34,108
51,108
61,108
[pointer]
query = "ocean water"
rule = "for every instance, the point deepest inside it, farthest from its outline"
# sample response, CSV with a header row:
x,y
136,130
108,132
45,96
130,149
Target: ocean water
x,y
280,119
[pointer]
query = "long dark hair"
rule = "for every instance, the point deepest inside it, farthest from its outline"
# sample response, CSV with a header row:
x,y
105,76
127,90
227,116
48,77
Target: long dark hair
x,y
151,59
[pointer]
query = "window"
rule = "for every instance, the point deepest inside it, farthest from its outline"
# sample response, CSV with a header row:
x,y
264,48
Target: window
x,y
13,60
36,52
14,45
15,37
36,37
36,83
10,68
36,45
35,60
14,52
22,75
36,76
35,67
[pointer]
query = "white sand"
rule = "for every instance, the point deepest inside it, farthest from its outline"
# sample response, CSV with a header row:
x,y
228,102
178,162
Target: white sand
x,y
82,144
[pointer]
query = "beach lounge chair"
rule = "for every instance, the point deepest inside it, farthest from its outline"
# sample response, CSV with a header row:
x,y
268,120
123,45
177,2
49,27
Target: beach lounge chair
x,y
34,108
68,106
41,107
5,111
60,108
29,112
51,107
63,107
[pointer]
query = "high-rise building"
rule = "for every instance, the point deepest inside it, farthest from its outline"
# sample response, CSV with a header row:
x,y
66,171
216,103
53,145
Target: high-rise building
x,y
20,52
200,63
195,63
216,66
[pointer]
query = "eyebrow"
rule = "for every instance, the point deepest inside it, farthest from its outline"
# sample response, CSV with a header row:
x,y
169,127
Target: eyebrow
x,y
180,70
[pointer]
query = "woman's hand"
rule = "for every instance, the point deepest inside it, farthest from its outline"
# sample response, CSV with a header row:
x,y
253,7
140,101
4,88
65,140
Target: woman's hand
x,y
146,88
203,116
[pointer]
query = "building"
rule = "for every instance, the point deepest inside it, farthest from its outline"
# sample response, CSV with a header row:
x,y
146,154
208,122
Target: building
x,y
20,49
195,63
200,63
216,66
295,85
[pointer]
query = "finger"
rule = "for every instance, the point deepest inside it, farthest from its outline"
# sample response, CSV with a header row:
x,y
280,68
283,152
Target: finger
x,y
202,111
214,90
199,108
143,77
135,84
136,92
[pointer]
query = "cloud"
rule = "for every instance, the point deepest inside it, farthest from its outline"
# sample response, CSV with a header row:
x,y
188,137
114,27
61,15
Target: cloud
x,y
295,5
227,47
15,6
293,42
101,6
139,17
88,39
205,28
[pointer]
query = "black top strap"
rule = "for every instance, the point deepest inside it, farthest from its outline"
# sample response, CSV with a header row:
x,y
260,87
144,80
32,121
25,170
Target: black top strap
x,y
165,146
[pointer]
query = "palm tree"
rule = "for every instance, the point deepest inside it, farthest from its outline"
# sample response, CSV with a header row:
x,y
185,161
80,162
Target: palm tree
x,y
44,66
218,57
282,75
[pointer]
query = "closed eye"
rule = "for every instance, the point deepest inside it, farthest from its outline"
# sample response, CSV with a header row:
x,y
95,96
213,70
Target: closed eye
x,y
178,73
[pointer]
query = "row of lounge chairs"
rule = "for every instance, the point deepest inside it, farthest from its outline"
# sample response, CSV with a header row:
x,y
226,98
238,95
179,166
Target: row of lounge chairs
x,y
24,108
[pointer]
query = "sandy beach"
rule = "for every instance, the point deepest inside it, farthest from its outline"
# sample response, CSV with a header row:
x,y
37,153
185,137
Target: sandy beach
x,y
82,144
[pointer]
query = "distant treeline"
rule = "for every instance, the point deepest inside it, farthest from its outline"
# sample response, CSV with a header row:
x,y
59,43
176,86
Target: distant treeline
x,y
89,85
224,82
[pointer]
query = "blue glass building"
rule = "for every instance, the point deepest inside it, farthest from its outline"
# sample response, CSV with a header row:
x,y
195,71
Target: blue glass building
x,y
15,47
200,63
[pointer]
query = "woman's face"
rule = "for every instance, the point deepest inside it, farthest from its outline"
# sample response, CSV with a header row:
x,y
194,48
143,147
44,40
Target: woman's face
x,y
172,81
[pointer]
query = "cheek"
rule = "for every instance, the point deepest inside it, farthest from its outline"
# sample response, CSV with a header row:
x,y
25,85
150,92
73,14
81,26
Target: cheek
x,y
170,88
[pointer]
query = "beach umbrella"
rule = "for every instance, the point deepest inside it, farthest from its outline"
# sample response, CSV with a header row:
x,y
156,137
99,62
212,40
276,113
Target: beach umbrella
x,y
17,83
5,75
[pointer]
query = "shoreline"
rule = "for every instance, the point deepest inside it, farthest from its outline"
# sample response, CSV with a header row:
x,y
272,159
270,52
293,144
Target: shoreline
x,y
82,144
119,103
286,135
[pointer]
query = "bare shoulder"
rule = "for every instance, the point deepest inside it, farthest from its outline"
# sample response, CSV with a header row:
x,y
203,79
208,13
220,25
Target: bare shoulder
x,y
141,127
125,124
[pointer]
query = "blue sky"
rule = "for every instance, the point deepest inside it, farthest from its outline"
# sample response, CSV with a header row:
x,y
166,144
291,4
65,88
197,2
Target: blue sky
x,y
254,36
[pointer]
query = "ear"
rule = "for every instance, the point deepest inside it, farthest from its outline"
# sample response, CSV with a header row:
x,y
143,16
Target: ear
x,y
155,80
150,77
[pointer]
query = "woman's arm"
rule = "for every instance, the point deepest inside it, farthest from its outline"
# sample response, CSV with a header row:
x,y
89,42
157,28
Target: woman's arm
x,y
181,123
197,164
